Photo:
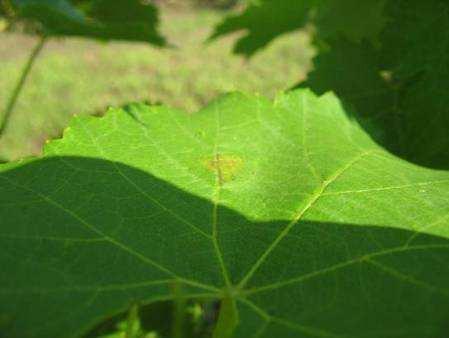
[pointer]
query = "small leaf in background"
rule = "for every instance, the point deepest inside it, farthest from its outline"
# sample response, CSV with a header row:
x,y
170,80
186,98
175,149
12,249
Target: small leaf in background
x,y
196,312
131,327
132,20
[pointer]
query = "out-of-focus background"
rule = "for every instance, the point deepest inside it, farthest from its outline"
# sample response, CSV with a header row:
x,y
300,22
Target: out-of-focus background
x,y
82,76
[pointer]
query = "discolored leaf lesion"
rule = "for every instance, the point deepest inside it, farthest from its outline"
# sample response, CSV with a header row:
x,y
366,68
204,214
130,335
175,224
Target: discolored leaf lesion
x,y
225,166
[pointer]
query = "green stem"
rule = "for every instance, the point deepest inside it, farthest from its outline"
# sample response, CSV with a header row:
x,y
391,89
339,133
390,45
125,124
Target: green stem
x,y
133,317
228,318
179,315
18,89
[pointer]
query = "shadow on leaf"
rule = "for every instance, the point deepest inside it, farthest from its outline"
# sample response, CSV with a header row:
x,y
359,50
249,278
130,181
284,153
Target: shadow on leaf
x,y
83,239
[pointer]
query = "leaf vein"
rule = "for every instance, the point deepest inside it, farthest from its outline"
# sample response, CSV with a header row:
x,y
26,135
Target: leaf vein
x,y
113,241
341,265
311,201
413,185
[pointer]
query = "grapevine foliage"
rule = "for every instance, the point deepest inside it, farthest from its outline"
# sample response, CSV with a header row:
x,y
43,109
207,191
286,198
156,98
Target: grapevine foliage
x,y
266,19
386,59
291,214
288,221
103,19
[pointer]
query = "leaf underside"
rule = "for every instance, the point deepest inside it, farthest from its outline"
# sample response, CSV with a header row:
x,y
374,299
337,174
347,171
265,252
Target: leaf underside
x,y
285,209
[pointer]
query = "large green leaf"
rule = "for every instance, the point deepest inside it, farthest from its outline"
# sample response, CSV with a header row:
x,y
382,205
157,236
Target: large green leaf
x,y
104,19
287,212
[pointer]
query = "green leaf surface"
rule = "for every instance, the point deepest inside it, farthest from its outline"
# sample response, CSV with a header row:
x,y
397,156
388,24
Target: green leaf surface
x,y
286,209
102,19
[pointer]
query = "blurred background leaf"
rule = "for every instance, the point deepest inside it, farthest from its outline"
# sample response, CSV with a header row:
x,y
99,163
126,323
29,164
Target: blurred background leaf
x,y
264,20
103,19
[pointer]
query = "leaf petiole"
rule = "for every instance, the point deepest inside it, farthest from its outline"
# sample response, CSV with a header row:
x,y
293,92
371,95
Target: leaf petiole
x,y
19,87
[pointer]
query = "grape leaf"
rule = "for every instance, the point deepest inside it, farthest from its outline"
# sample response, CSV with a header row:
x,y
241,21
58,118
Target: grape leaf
x,y
415,50
265,20
103,19
307,229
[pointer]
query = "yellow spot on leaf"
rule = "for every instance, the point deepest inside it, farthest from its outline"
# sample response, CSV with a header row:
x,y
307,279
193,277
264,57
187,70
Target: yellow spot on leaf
x,y
226,166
